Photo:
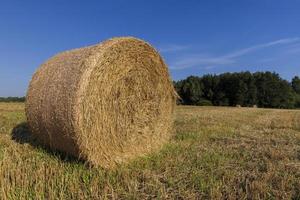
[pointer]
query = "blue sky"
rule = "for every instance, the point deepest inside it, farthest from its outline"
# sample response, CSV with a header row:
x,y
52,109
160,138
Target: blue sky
x,y
194,37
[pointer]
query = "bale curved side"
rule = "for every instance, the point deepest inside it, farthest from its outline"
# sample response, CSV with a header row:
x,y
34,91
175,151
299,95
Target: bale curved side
x,y
106,103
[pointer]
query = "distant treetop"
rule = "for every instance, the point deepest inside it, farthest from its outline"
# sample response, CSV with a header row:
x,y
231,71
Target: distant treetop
x,y
12,99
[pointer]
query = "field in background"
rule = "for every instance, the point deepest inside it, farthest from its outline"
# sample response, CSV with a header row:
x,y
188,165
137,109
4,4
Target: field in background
x,y
215,152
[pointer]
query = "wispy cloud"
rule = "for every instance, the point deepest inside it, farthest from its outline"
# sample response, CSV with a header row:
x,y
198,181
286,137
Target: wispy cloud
x,y
172,48
208,61
200,60
242,52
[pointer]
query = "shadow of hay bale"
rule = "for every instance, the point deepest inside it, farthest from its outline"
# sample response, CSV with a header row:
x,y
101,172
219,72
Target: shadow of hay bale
x,y
22,135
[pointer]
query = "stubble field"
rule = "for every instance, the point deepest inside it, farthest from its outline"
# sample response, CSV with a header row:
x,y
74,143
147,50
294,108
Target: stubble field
x,y
214,153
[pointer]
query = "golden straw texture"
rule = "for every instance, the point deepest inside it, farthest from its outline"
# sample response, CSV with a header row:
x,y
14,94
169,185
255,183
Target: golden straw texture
x,y
106,103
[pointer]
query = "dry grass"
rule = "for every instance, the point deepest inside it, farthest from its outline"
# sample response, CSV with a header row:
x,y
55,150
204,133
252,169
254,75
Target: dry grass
x,y
106,103
215,153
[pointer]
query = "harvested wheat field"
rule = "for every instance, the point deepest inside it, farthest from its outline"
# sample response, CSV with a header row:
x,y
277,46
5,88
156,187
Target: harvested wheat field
x,y
215,152
105,104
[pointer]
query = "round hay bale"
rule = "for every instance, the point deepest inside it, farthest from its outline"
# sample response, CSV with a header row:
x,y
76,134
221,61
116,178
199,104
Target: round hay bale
x,y
106,103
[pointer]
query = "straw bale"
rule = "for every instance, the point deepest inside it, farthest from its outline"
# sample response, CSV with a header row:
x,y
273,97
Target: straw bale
x,y
106,103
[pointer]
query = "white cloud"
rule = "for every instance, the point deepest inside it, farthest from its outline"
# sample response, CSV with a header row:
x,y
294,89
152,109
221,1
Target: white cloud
x,y
196,60
242,52
208,61
172,48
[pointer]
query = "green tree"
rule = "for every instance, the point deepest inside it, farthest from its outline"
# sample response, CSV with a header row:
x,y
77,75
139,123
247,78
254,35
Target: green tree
x,y
296,84
209,84
273,91
190,90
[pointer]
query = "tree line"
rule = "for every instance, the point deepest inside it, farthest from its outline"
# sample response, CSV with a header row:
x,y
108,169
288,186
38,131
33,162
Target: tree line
x,y
12,99
261,89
